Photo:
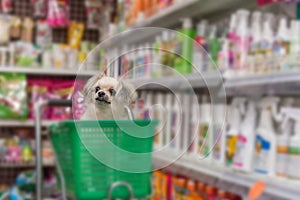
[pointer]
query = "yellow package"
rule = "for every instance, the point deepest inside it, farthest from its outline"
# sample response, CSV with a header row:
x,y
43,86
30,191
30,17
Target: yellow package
x,y
75,34
159,182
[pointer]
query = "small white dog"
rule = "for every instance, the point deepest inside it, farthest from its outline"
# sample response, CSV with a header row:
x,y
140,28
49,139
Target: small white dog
x,y
107,97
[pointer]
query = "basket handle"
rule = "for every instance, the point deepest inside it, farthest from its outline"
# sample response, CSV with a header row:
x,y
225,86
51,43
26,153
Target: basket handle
x,y
129,112
118,184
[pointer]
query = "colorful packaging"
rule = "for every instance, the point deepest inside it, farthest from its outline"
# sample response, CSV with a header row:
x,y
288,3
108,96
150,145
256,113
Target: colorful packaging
x,y
5,24
179,187
43,34
78,99
159,182
39,8
63,89
15,30
75,34
27,30
58,13
93,13
13,98
39,90
7,6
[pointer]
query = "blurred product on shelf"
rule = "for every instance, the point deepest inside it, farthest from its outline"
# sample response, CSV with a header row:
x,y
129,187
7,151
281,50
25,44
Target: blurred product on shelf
x,y
269,147
18,150
24,186
40,89
17,90
39,8
175,186
13,99
93,13
250,46
58,13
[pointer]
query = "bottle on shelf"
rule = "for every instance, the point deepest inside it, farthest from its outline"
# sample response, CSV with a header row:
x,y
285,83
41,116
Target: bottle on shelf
x,y
237,109
244,147
265,138
218,134
294,142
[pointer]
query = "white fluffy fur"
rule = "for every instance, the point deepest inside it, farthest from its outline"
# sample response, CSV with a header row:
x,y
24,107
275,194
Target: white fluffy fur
x,y
125,95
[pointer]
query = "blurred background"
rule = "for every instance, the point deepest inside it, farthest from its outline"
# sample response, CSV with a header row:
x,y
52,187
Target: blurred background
x,y
225,74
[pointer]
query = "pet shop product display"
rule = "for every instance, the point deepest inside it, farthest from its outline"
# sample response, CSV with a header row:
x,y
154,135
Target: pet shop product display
x,y
13,99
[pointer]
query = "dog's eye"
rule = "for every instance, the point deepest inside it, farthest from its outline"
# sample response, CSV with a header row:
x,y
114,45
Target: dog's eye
x,y
112,92
97,89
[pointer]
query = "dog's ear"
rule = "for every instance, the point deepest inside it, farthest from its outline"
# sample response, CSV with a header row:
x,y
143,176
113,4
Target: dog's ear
x,y
126,92
89,86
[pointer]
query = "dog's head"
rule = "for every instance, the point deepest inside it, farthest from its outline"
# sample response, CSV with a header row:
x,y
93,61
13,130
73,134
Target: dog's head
x,y
103,90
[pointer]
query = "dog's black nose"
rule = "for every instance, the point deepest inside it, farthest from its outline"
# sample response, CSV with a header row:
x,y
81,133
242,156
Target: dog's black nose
x,y
101,94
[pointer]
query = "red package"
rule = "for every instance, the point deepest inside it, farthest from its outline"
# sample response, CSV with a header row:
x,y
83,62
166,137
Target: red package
x,y
78,99
38,90
63,89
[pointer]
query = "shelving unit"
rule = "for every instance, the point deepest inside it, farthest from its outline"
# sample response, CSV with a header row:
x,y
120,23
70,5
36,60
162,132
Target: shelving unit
x,y
27,165
168,18
283,188
24,123
210,80
47,72
286,83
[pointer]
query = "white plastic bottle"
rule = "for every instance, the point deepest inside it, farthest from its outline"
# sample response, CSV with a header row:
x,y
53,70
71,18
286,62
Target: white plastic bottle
x,y
231,135
266,60
281,45
282,151
294,152
218,134
186,117
168,127
194,126
265,139
242,42
176,126
159,114
204,134
245,148
147,111
237,109
294,143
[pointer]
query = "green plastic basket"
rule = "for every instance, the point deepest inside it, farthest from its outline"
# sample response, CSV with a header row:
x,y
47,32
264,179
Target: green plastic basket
x,y
85,176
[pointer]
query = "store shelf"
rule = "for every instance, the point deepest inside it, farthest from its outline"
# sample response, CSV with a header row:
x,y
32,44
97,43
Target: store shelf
x,y
279,187
170,17
27,165
49,72
209,80
275,83
25,123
